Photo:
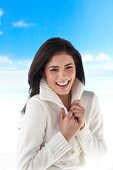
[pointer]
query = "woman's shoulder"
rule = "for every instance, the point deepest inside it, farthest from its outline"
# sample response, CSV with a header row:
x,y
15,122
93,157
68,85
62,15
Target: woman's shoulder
x,y
89,98
35,101
36,97
89,95
35,104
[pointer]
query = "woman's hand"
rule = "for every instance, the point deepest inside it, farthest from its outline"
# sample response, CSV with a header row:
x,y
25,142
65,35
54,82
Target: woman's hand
x,y
78,113
69,126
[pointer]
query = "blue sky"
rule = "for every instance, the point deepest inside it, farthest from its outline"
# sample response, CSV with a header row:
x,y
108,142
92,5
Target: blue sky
x,y
25,25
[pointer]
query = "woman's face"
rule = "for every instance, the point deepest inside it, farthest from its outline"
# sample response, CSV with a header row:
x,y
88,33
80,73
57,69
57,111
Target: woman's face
x,y
60,73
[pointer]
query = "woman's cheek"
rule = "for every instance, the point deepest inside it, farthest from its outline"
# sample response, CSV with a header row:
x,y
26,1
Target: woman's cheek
x,y
51,76
71,72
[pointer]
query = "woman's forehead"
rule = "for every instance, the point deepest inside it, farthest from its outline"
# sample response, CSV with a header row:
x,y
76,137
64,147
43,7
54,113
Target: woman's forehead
x,y
61,58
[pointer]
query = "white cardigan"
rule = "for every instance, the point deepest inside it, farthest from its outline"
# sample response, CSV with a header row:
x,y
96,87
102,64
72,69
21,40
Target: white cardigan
x,y
42,146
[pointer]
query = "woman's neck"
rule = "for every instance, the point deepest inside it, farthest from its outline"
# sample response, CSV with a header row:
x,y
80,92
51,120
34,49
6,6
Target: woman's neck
x,y
66,100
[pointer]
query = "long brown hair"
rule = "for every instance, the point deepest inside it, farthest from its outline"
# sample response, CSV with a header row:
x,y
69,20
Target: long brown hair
x,y
43,55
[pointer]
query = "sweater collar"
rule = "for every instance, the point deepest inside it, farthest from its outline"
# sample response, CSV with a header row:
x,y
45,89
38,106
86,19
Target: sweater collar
x,y
47,94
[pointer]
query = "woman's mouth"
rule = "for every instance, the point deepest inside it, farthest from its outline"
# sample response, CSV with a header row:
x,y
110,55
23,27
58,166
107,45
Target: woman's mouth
x,y
63,84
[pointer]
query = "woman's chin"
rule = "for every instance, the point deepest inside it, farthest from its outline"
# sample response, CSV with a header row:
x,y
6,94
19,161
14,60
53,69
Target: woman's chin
x,y
63,92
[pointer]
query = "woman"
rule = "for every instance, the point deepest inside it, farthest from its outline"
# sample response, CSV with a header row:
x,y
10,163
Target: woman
x,y
62,123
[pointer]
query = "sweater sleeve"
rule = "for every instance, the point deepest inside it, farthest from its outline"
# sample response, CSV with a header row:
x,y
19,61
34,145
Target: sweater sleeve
x,y
91,137
32,154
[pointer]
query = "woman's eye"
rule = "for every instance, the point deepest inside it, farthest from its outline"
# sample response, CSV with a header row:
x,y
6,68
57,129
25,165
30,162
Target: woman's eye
x,y
54,69
69,67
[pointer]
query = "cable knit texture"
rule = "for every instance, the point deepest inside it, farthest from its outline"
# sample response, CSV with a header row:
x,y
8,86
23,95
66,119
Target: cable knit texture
x,y
42,146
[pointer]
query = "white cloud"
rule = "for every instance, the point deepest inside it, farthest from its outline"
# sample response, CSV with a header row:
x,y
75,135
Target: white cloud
x,y
13,73
5,59
21,24
99,65
6,64
1,32
1,12
24,63
102,57
87,58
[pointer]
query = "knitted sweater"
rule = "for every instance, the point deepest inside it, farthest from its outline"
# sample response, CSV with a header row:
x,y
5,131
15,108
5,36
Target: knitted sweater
x,y
41,145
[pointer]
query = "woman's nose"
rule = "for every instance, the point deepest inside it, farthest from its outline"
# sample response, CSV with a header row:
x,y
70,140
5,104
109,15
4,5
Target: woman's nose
x,y
62,74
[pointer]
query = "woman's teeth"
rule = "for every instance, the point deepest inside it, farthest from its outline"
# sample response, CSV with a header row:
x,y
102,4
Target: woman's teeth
x,y
62,84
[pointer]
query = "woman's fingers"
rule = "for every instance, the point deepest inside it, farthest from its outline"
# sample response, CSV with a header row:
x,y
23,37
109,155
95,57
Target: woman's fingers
x,y
76,102
78,112
62,114
74,109
69,126
77,107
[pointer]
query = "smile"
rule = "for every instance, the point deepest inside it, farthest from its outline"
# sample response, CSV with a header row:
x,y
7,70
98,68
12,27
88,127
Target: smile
x,y
63,84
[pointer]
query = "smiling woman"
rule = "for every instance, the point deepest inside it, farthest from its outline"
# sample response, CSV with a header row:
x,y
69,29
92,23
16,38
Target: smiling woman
x,y
62,123
60,74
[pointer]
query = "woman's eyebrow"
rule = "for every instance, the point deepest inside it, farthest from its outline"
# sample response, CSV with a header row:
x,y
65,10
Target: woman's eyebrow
x,y
69,64
58,66
53,67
